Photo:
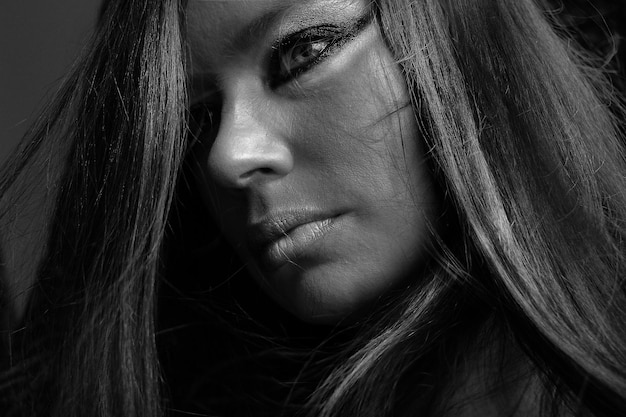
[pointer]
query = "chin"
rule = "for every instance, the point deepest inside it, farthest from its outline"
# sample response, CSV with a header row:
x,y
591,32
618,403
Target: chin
x,y
321,314
315,299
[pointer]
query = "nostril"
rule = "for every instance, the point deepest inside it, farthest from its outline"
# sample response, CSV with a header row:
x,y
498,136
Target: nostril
x,y
261,170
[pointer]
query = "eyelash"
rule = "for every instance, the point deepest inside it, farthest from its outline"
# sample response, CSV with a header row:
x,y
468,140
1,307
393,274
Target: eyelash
x,y
328,38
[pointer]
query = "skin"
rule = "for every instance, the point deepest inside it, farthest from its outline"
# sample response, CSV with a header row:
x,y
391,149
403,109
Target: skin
x,y
336,143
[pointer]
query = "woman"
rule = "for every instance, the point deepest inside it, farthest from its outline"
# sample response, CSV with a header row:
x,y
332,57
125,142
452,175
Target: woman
x,y
434,190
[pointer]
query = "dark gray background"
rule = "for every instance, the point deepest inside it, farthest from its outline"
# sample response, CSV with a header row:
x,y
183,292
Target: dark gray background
x,y
38,41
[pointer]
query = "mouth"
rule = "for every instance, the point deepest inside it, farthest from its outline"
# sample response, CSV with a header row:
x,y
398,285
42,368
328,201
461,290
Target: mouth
x,y
287,236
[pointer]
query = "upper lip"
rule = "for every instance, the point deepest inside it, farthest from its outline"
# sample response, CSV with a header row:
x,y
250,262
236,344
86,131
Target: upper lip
x,y
276,225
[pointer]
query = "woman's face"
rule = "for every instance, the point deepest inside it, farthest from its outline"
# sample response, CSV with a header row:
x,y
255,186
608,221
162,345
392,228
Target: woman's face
x,y
309,156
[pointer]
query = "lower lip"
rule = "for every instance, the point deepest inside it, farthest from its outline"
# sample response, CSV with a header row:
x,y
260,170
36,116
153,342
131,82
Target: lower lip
x,y
298,242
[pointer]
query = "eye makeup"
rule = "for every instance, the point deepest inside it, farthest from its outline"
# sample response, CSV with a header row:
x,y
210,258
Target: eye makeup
x,y
298,52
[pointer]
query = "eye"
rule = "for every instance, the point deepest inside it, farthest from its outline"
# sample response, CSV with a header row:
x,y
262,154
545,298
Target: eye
x,y
299,52
303,53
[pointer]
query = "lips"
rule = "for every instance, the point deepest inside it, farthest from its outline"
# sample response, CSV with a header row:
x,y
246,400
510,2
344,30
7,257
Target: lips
x,y
284,237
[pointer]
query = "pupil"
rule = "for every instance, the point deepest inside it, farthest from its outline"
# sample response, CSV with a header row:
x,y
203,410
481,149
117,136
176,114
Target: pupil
x,y
306,52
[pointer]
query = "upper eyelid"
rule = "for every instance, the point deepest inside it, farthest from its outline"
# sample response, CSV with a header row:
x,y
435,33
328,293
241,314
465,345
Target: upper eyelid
x,y
287,38
341,28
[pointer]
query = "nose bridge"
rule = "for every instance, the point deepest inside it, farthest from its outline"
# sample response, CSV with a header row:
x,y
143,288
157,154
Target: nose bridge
x,y
249,147
244,111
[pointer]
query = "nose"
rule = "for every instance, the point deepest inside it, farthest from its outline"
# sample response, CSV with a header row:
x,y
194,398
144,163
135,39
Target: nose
x,y
249,148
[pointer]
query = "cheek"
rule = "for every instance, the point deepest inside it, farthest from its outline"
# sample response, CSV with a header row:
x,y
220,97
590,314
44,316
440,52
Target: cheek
x,y
225,208
360,121
357,101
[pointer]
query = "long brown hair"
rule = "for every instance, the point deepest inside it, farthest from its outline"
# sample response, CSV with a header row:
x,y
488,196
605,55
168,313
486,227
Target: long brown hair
x,y
117,127
530,156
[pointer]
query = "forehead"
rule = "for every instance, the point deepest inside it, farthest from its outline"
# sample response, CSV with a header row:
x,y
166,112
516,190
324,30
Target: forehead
x,y
216,27
225,13
232,11
235,12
